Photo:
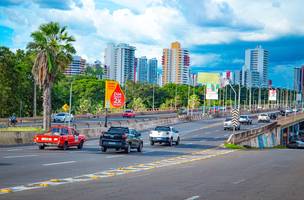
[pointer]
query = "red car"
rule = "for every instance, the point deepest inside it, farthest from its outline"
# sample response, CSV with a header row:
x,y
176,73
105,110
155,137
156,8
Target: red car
x,y
60,136
128,113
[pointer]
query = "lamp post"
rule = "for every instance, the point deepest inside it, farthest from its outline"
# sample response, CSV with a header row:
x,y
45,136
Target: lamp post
x,y
153,98
70,102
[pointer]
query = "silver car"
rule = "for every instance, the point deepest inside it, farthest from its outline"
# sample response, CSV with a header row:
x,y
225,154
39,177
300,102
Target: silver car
x,y
228,124
62,117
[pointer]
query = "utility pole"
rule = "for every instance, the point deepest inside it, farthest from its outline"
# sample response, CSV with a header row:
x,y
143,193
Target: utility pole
x,y
259,100
239,100
175,96
70,107
250,98
188,106
35,100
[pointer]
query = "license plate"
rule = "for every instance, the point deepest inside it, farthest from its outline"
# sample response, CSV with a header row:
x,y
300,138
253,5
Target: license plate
x,y
113,143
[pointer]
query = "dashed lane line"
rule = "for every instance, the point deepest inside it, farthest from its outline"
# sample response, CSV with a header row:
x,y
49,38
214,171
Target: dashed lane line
x,y
21,156
59,163
193,198
195,156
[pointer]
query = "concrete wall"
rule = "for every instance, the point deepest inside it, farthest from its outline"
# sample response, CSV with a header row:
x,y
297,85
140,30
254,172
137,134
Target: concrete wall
x,y
267,139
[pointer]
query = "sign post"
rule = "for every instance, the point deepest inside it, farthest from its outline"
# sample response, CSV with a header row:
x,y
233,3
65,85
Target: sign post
x,y
235,118
114,97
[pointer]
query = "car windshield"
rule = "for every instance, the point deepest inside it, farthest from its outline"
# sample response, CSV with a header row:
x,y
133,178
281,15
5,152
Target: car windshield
x,y
61,114
59,131
264,115
228,119
162,128
128,111
243,116
118,130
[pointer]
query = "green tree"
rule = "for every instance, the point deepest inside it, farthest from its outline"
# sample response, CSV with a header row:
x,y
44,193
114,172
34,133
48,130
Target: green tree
x,y
194,101
138,104
53,49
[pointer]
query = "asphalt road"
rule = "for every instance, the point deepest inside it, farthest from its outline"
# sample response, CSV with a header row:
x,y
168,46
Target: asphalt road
x,y
24,165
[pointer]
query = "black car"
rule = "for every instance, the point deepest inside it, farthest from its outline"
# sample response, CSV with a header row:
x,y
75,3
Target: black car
x,y
121,138
273,116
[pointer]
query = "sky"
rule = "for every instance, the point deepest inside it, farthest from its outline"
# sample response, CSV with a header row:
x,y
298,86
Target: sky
x,y
216,32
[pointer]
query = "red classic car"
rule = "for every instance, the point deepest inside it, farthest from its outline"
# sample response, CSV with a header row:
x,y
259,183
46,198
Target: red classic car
x,y
60,136
128,113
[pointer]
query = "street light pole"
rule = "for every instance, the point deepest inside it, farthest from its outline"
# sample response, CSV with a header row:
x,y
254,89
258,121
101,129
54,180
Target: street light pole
x,y
234,95
175,96
71,89
239,100
153,98
188,106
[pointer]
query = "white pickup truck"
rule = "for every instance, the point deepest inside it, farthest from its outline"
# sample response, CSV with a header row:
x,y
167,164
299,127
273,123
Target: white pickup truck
x,y
264,117
164,134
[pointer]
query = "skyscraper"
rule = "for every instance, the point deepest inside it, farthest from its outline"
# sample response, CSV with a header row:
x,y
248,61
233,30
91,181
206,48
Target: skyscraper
x,y
119,62
142,70
152,71
76,67
256,60
175,62
299,79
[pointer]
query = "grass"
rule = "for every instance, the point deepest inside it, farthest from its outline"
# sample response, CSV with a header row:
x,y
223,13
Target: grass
x,y
234,146
21,129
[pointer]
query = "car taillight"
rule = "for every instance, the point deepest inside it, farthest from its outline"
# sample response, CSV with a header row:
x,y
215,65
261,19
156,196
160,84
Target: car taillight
x,y
124,136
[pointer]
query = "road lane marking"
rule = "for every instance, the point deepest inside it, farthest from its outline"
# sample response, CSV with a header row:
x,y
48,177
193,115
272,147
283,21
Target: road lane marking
x,y
239,181
115,156
197,156
59,163
192,198
21,156
14,150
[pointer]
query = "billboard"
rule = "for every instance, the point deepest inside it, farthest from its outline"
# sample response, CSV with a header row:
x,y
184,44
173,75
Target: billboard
x,y
204,78
272,95
212,91
114,96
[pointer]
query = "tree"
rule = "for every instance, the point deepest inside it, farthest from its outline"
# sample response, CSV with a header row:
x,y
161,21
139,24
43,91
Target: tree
x,y
53,49
138,104
194,101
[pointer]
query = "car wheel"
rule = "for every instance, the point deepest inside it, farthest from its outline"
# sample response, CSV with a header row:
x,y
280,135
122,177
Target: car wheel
x,y
65,146
128,149
104,149
80,145
140,147
177,141
41,147
170,142
151,143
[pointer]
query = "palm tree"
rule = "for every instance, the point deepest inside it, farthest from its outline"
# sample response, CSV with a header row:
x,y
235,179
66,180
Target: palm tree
x,y
53,49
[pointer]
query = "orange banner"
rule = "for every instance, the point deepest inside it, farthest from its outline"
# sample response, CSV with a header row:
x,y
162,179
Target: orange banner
x,y
114,96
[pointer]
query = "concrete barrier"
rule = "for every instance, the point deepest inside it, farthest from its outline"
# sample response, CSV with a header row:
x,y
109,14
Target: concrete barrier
x,y
11,138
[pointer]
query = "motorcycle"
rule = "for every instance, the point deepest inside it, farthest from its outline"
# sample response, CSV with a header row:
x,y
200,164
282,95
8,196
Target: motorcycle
x,y
12,121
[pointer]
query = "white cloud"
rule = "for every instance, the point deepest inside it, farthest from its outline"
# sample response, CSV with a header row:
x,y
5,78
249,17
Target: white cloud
x,y
205,59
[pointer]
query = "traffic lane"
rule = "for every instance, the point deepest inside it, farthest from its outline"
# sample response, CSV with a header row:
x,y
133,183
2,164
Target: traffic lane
x,y
267,174
102,119
91,159
26,169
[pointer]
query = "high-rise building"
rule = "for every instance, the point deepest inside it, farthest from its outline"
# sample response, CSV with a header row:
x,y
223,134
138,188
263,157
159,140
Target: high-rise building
x,y
256,60
237,78
142,70
159,79
76,67
152,71
119,61
175,62
299,79
193,79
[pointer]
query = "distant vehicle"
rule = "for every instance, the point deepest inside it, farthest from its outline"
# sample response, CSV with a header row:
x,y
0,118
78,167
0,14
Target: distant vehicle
x,y
273,116
296,142
245,119
263,118
121,138
295,110
62,117
283,112
164,134
228,124
128,113
182,111
60,136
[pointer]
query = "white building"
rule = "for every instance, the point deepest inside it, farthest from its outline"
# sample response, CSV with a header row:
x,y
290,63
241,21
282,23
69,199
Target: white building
x,y
76,67
119,62
256,60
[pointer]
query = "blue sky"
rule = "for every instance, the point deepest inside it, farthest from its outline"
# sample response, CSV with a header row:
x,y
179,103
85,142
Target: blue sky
x,y
216,32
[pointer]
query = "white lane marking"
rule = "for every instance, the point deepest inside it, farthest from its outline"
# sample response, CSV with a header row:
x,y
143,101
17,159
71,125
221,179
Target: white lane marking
x,y
192,198
239,181
14,149
21,156
146,143
116,156
148,151
59,163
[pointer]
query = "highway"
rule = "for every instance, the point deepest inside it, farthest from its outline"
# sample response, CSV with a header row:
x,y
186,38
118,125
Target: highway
x,y
23,167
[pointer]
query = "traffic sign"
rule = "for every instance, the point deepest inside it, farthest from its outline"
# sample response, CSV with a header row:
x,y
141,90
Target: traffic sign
x,y
235,117
65,107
